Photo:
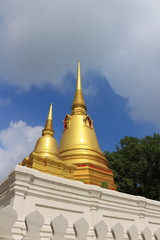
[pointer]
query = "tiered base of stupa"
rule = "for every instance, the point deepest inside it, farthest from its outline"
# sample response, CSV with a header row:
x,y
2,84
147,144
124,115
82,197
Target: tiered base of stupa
x,y
90,174
50,165
91,167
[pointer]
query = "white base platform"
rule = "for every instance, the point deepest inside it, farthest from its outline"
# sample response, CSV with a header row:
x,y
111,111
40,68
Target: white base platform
x,y
27,190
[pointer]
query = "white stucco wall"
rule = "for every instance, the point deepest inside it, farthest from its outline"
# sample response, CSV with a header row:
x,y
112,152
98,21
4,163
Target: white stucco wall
x,y
27,190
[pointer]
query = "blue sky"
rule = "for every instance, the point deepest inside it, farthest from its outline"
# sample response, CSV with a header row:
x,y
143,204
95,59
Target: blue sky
x,y
118,43
108,110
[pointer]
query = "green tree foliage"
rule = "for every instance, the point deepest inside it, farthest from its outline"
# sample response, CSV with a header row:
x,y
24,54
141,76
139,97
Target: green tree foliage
x,y
136,166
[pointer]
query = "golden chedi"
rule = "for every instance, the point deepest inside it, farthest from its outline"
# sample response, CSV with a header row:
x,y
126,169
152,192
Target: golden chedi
x,y
45,156
79,145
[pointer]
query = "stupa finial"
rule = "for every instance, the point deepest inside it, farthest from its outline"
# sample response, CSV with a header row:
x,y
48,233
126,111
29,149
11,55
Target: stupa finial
x,y
50,112
79,81
48,127
79,105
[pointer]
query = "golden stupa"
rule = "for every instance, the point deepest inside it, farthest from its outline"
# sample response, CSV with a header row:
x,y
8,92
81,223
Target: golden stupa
x,y
79,156
79,145
45,156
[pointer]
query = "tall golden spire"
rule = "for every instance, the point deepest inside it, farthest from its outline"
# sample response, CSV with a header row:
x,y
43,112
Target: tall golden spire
x,y
78,105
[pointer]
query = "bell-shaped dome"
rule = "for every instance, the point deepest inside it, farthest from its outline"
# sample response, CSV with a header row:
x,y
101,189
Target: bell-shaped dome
x,y
46,146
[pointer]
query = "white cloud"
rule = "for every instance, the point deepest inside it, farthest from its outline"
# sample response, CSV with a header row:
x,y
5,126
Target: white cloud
x,y
41,40
16,143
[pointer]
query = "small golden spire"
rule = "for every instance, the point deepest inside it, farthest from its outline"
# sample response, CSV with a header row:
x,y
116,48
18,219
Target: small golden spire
x,y
50,112
48,130
79,105
46,144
